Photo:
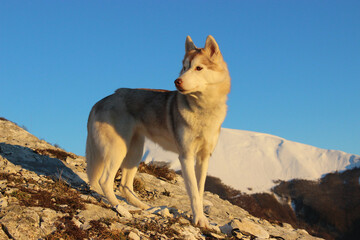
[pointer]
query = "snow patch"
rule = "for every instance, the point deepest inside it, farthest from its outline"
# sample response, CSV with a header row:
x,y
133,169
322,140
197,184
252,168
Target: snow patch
x,y
249,160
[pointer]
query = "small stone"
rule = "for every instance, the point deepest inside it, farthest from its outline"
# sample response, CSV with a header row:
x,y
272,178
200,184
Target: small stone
x,y
182,220
208,203
117,226
191,233
77,222
3,184
133,236
85,226
173,210
122,211
207,209
136,231
216,236
165,213
8,190
302,231
287,226
3,202
237,234
226,229
215,227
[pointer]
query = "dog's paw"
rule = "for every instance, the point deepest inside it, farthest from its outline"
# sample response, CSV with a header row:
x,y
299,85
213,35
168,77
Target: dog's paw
x,y
122,211
201,221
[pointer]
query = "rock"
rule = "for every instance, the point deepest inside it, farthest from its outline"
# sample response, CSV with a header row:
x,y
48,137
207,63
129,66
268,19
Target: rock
x,y
287,226
226,228
188,232
3,202
122,211
85,226
208,207
237,234
153,210
47,219
302,231
216,236
182,220
118,226
215,227
31,223
3,183
248,227
77,222
133,236
165,213
95,212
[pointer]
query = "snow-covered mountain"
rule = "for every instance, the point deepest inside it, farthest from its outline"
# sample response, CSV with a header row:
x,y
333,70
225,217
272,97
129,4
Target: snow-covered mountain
x,y
250,161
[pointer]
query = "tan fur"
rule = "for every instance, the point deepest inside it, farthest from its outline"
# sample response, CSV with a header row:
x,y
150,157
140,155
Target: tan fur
x,y
186,121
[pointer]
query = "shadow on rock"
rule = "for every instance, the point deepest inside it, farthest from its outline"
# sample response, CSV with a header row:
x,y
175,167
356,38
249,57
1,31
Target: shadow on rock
x,y
41,164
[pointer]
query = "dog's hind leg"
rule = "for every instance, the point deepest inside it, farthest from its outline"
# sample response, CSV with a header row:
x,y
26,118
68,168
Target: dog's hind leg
x,y
112,161
113,158
111,145
129,168
95,165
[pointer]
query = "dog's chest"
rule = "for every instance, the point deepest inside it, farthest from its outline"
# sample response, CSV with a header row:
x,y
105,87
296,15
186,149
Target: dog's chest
x,y
205,118
204,124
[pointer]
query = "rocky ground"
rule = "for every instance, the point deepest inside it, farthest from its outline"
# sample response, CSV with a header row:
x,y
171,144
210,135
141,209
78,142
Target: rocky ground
x,y
44,195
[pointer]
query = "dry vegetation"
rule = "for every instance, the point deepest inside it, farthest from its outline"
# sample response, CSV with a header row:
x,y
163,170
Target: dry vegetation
x,y
161,172
55,153
66,229
329,208
59,196
56,195
261,205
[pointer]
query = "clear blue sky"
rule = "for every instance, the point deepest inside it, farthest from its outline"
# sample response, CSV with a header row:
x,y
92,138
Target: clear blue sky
x,y
295,65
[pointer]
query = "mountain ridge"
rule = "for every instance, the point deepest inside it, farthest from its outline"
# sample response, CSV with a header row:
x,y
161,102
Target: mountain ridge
x,y
265,157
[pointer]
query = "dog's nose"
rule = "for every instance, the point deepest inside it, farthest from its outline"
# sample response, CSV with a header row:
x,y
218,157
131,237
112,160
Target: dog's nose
x,y
178,82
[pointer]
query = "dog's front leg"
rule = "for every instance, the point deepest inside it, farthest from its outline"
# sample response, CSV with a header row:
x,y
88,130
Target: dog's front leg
x,y
201,167
188,172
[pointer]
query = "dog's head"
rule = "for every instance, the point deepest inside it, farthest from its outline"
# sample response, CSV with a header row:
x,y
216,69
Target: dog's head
x,y
202,67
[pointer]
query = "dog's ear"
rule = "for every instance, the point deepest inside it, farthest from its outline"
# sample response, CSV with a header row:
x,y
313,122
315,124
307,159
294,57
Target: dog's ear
x,y
211,47
189,44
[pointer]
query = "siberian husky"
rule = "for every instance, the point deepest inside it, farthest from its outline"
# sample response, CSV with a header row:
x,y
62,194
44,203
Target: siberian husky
x,y
186,121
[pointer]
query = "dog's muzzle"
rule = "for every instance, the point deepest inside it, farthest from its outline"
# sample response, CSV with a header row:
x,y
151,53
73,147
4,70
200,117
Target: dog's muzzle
x,y
178,83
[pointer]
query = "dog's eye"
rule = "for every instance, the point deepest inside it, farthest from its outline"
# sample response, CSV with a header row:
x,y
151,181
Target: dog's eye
x,y
198,68
184,68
